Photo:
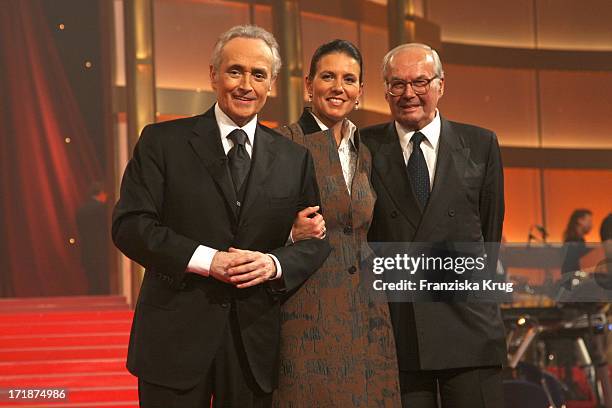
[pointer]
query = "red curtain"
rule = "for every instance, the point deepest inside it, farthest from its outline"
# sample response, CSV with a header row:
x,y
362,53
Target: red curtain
x,y
44,179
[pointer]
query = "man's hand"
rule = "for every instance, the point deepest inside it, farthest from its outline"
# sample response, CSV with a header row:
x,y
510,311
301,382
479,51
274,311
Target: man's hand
x,y
305,227
250,268
221,262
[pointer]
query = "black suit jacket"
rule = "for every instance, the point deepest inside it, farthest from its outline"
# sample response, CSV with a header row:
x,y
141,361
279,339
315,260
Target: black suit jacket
x,y
466,205
177,193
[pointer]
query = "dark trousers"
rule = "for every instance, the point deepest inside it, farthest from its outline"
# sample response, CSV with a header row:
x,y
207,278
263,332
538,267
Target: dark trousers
x,y
228,384
477,387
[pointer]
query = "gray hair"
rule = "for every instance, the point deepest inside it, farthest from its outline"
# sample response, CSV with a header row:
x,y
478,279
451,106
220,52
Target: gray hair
x,y
247,31
436,58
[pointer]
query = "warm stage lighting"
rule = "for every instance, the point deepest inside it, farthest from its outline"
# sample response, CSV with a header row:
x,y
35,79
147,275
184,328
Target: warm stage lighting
x,y
88,64
61,26
72,241
67,140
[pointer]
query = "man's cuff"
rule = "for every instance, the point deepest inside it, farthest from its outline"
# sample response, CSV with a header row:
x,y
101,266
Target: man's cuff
x,y
201,260
279,270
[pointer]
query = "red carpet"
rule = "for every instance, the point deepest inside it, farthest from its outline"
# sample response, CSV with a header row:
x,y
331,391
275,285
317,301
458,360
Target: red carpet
x,y
77,344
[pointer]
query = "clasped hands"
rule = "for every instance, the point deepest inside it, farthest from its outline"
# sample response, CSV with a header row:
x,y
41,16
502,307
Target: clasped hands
x,y
243,268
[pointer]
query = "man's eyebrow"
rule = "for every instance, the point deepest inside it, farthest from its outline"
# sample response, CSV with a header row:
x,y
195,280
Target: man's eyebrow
x,y
422,76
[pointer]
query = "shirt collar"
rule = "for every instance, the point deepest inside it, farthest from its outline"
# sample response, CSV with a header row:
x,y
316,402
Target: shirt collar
x,y
350,130
348,125
227,125
431,131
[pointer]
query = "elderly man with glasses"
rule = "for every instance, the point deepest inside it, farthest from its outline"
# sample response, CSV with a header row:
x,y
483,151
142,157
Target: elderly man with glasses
x,y
437,181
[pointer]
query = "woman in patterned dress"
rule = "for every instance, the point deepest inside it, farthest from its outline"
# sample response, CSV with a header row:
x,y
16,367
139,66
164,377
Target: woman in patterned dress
x,y
337,346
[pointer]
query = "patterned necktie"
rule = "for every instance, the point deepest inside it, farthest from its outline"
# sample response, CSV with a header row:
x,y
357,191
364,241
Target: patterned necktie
x,y
239,160
417,170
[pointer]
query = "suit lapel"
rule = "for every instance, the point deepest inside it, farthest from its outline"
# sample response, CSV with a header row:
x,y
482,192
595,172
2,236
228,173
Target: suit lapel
x,y
261,165
450,166
206,142
389,163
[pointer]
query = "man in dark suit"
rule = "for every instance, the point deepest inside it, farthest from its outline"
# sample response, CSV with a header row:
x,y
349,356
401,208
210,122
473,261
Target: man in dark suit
x,y
92,224
437,181
207,204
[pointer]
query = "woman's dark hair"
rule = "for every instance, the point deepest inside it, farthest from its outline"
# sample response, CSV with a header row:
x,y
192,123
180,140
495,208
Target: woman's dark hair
x,y
333,47
570,233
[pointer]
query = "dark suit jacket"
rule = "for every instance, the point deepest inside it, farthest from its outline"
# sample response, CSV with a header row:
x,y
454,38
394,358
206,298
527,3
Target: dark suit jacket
x,y
466,205
177,193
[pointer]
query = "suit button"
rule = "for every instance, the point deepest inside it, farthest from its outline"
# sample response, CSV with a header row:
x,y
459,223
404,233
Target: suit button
x,y
451,213
225,305
348,230
394,214
352,269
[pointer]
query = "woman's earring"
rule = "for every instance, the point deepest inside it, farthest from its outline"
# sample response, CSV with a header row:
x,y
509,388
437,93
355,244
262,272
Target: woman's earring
x,y
309,97
357,104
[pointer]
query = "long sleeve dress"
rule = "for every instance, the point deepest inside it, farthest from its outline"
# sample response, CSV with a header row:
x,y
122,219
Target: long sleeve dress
x,y
337,345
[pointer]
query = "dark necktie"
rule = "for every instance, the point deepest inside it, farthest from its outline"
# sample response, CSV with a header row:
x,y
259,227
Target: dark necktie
x,y
239,160
417,170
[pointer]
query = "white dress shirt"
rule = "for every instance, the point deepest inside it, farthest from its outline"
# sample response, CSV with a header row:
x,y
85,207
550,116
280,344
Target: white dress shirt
x,y
429,145
203,255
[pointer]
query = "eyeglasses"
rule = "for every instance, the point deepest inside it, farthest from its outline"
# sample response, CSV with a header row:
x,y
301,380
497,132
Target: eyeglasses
x,y
397,87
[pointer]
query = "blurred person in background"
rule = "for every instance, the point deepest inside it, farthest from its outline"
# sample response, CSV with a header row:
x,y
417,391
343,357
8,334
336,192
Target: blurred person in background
x,y
579,224
605,233
94,239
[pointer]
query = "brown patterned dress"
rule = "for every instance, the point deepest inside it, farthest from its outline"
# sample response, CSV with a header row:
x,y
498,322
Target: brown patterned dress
x,y
337,345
